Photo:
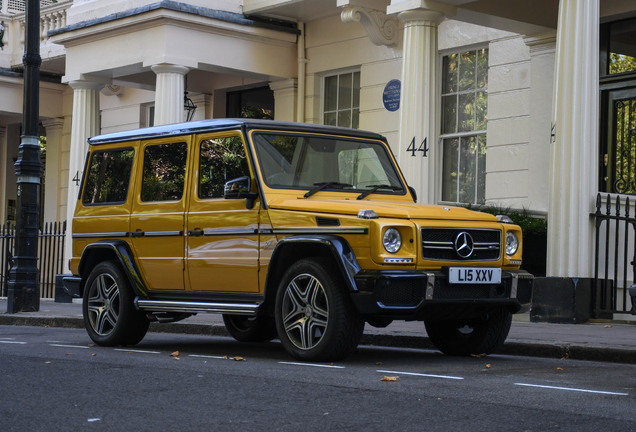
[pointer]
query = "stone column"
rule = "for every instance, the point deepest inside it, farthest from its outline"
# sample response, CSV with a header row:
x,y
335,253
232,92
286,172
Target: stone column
x,y
574,161
53,182
169,93
418,101
285,99
3,174
85,124
542,57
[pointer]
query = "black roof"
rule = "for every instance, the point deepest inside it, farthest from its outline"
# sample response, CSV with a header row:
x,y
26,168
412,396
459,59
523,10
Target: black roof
x,y
203,126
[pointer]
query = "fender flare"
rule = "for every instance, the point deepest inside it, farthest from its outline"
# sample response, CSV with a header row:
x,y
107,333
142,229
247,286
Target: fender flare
x,y
125,257
339,248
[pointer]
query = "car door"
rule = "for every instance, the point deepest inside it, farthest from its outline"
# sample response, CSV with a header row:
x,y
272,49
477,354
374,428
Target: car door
x,y
158,213
222,242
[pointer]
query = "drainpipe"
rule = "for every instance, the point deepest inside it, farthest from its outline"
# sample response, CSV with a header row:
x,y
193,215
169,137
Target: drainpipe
x,y
302,67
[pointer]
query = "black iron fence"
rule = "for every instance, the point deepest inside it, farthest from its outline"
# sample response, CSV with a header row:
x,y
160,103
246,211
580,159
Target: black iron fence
x,y
614,270
50,255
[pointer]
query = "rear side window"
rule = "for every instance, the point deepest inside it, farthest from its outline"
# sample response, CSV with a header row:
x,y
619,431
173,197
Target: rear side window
x,y
164,172
108,176
220,160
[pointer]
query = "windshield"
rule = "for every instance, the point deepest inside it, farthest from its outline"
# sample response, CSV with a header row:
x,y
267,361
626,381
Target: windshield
x,y
302,161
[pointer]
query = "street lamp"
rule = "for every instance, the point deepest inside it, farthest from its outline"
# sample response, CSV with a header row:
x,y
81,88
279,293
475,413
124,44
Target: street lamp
x,y
24,290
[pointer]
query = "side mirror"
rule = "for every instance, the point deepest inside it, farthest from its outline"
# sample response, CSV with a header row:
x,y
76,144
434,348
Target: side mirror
x,y
240,188
413,193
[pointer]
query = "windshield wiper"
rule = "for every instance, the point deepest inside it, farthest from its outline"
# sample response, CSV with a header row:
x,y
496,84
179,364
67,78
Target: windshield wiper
x,y
324,185
375,188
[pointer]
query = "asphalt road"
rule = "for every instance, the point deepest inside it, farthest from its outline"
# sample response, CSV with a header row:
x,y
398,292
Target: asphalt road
x,y
53,379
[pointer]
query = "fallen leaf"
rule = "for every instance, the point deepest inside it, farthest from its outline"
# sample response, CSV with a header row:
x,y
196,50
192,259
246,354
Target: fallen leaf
x,y
608,326
91,345
388,378
565,356
177,358
238,359
47,362
175,354
94,354
559,368
478,355
330,364
226,357
488,366
68,353
47,326
378,363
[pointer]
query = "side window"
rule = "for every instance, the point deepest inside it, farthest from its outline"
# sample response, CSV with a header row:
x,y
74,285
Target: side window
x,y
164,172
220,160
108,176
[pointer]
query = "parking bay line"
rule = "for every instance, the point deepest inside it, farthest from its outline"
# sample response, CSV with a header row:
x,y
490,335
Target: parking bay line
x,y
12,342
572,389
68,346
208,356
137,351
313,365
421,374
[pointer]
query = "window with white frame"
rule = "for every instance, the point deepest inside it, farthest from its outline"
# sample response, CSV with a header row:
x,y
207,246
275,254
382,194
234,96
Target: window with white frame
x,y
463,130
341,101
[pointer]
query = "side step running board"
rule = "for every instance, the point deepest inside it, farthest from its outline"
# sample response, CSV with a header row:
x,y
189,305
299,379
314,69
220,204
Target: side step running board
x,y
194,307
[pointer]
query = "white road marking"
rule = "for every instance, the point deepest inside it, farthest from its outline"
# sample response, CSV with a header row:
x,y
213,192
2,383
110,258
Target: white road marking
x,y
7,338
207,356
69,346
12,342
313,364
572,389
421,374
137,351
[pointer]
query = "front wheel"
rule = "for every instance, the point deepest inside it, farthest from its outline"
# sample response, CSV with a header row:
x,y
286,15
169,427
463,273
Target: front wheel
x,y
463,337
315,316
110,316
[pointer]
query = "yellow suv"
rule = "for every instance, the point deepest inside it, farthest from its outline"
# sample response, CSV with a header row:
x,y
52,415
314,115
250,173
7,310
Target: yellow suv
x,y
295,231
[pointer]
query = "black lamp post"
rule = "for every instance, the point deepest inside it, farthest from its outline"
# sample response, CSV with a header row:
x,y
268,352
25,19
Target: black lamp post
x,y
24,290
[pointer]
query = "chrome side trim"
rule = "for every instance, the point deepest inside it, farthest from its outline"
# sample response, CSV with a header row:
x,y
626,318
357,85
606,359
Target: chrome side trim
x,y
162,233
334,231
237,232
193,307
101,235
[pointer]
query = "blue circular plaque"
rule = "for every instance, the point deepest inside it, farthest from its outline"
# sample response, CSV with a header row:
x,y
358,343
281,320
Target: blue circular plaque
x,y
391,95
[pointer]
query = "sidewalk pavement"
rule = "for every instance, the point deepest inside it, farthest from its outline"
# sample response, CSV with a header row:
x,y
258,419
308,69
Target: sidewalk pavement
x,y
599,341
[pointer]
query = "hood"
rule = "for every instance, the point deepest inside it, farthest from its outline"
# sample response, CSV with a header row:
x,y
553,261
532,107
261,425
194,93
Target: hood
x,y
384,209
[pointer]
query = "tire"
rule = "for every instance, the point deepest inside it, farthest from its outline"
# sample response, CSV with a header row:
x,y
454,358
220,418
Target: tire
x,y
250,329
315,316
470,336
110,316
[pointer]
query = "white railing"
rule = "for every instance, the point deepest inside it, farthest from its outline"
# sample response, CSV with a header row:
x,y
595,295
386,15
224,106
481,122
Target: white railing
x,y
52,17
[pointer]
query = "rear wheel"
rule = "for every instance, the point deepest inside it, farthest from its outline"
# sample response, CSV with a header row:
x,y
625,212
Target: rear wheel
x,y
315,317
110,316
483,335
250,329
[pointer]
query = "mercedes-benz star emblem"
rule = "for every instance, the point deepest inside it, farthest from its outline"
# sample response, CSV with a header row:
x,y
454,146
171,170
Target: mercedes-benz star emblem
x,y
464,245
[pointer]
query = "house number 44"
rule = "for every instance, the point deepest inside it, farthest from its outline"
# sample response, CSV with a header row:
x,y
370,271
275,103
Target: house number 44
x,y
422,148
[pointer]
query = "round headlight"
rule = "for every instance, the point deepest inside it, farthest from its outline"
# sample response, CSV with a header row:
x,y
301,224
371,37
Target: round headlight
x,y
392,240
512,243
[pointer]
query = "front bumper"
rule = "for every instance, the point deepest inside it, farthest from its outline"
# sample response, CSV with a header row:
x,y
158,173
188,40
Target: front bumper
x,y
423,294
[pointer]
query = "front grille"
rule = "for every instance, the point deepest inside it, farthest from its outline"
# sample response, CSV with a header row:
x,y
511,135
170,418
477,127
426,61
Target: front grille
x,y
401,292
439,244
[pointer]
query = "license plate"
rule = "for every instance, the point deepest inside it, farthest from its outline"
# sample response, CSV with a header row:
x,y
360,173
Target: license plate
x,y
474,275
